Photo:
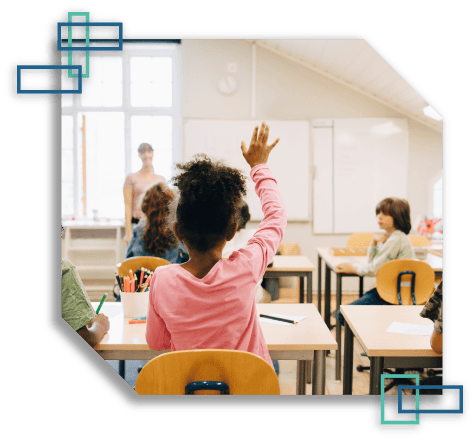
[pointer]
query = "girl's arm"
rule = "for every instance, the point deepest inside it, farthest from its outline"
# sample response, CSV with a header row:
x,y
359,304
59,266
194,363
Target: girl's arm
x,y
157,335
388,252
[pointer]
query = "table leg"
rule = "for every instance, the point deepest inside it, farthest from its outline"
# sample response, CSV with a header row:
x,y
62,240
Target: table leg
x,y
348,360
301,289
122,369
320,261
361,286
338,326
300,378
376,369
308,371
327,297
309,287
319,373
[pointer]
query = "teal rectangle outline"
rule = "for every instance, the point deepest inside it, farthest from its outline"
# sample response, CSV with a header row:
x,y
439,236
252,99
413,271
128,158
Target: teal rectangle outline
x,y
382,399
69,43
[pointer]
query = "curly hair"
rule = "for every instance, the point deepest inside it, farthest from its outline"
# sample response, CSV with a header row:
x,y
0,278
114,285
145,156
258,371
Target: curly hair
x,y
157,236
209,196
244,215
399,209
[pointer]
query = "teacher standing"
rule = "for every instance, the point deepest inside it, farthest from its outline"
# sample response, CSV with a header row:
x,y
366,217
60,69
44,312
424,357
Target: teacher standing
x,y
134,186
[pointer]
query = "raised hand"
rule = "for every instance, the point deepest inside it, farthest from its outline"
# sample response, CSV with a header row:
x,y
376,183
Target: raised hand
x,y
258,150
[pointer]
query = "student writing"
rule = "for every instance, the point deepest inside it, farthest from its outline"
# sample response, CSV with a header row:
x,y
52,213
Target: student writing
x,y
208,302
393,216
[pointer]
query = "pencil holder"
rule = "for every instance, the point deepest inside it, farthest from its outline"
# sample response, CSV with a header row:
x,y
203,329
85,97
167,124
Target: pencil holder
x,y
135,304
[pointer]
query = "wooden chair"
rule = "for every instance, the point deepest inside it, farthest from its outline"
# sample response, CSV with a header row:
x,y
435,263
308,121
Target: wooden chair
x,y
404,282
360,240
136,263
419,241
190,371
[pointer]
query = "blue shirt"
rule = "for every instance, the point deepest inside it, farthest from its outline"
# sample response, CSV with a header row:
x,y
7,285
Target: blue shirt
x,y
136,248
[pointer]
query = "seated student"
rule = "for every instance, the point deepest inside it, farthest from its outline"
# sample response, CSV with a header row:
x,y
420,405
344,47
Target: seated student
x,y
433,310
76,308
209,301
152,236
394,217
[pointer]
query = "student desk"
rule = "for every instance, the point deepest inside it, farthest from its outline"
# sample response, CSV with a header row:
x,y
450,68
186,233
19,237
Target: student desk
x,y
294,266
385,349
306,340
324,253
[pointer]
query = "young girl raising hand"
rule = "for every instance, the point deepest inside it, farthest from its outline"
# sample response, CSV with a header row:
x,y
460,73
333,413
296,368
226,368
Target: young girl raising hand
x,y
208,302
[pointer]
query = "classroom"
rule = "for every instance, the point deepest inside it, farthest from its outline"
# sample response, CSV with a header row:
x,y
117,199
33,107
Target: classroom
x,y
352,132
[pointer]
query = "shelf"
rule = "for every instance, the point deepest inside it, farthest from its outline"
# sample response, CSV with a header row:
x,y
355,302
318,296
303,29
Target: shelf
x,y
89,248
109,267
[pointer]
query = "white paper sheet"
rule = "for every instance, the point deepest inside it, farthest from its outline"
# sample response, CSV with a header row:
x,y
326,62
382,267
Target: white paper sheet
x,y
410,329
278,315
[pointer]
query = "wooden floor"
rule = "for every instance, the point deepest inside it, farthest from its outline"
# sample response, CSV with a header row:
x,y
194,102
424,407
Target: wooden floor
x,y
287,376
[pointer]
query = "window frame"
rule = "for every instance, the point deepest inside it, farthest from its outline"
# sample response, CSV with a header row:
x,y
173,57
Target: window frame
x,y
171,50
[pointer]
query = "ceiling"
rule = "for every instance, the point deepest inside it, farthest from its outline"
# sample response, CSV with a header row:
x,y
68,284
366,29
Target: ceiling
x,y
355,64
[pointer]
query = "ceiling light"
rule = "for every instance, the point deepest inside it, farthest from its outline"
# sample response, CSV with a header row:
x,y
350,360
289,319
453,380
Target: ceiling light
x,y
431,113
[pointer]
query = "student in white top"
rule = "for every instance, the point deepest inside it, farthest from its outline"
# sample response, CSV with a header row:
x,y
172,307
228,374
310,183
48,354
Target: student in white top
x,y
240,240
393,216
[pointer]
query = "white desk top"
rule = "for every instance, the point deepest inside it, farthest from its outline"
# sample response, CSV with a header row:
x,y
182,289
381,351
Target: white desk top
x,y
309,334
369,324
433,260
291,263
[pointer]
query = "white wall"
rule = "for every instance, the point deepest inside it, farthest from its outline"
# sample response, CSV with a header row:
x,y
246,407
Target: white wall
x,y
286,90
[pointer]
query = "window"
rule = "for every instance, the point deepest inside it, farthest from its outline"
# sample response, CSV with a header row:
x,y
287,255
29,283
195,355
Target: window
x,y
127,100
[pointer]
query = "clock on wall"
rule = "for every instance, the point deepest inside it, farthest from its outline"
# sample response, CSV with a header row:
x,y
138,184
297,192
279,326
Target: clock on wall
x,y
227,84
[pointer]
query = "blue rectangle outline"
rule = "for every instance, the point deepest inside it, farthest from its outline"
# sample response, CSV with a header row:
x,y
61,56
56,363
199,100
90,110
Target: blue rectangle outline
x,y
19,68
382,399
90,23
430,411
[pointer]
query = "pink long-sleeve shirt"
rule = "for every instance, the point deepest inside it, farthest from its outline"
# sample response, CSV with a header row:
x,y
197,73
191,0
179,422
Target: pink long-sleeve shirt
x,y
219,311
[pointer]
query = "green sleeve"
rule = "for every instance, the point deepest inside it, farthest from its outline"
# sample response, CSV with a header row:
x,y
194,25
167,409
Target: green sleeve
x,y
76,308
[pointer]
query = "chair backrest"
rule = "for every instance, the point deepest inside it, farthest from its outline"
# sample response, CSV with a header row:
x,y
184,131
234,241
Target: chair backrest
x,y
388,278
243,372
419,241
360,239
289,249
136,263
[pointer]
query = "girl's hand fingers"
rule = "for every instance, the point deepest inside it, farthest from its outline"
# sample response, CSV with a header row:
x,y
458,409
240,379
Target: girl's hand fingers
x,y
273,145
254,136
243,148
265,135
262,132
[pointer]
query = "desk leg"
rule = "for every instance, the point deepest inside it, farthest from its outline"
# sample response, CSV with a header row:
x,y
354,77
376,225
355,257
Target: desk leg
x,y
301,290
122,369
308,371
300,378
348,360
309,287
320,261
327,297
376,369
319,373
338,326
361,286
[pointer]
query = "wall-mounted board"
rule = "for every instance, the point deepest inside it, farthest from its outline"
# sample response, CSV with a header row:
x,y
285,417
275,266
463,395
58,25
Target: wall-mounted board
x,y
358,162
289,160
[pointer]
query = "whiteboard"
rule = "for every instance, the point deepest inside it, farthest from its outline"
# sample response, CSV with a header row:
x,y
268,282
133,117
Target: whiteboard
x,y
288,162
369,163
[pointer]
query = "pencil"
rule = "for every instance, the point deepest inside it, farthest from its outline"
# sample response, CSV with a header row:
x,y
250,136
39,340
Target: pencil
x,y
277,319
100,305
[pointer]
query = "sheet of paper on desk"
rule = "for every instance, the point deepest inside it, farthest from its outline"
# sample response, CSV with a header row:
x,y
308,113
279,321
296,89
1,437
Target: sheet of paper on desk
x,y
410,329
279,315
